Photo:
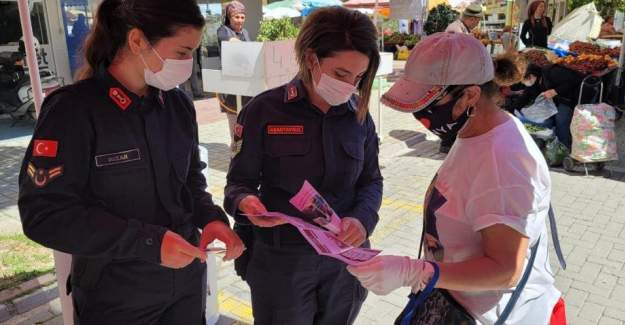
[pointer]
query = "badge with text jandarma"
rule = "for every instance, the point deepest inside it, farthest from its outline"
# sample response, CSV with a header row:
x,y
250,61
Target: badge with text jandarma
x,y
315,208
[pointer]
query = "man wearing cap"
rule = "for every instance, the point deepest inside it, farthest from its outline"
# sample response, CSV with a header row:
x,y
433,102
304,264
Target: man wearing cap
x,y
470,19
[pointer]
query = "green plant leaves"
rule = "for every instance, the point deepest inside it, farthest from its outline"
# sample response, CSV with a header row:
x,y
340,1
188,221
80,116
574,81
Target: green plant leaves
x,y
277,30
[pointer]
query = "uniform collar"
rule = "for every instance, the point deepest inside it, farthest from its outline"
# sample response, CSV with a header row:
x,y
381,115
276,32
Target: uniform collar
x,y
295,91
121,97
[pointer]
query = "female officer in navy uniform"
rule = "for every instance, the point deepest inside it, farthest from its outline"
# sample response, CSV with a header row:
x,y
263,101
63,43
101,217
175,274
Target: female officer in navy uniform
x,y
113,174
314,129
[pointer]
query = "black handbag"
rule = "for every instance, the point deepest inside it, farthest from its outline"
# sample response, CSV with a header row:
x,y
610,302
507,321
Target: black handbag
x,y
437,307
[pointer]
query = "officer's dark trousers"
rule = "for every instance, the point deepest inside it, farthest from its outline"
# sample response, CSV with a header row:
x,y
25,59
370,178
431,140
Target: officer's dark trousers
x,y
295,286
134,292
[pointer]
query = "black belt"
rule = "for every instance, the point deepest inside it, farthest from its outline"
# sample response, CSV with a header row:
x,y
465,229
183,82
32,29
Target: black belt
x,y
279,236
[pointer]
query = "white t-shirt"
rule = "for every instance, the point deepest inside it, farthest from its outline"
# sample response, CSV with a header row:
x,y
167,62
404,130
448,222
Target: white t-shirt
x,y
457,27
496,178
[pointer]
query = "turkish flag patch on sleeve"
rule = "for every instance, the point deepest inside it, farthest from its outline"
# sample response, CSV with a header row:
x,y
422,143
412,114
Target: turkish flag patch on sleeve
x,y
45,148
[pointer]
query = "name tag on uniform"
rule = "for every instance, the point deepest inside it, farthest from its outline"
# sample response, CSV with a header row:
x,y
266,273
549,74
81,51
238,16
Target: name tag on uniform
x,y
117,158
285,129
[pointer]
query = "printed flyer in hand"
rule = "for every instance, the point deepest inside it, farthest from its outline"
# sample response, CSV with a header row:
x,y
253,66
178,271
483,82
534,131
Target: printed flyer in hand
x,y
318,211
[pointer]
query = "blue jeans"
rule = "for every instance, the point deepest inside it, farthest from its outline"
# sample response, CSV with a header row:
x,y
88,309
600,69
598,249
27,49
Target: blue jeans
x,y
562,121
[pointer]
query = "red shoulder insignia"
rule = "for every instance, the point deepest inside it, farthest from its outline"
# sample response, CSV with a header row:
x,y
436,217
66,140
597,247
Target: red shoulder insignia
x,y
120,98
291,92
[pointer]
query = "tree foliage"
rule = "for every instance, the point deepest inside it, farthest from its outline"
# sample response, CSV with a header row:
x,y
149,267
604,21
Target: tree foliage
x,y
439,18
277,30
605,7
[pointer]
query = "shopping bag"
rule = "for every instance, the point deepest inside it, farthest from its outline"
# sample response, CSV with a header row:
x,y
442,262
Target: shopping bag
x,y
555,152
542,109
594,137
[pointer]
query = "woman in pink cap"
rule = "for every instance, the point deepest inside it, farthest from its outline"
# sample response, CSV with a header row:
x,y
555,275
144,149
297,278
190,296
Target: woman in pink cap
x,y
485,211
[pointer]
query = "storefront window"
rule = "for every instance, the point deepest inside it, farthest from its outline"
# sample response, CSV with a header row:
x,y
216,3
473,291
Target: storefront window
x,y
11,43
212,11
10,22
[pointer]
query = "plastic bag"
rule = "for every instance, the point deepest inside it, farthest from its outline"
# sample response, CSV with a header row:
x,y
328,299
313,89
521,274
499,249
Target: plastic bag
x,y
594,138
542,109
555,152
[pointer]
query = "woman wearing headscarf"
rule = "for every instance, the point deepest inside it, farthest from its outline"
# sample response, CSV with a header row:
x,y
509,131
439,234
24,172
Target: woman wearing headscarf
x,y
232,30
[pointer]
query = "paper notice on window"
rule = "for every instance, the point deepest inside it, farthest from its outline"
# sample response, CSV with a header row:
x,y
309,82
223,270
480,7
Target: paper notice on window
x,y
315,208
325,242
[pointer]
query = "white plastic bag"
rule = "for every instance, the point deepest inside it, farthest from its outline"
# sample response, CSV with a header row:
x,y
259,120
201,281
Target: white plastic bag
x,y
542,109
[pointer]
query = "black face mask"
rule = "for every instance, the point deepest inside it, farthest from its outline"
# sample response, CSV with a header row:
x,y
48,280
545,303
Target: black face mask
x,y
439,119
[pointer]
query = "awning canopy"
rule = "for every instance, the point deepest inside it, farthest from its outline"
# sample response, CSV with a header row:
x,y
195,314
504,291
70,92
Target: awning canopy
x,y
366,3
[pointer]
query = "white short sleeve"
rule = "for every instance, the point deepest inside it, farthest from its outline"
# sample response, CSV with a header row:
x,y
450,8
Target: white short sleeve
x,y
512,206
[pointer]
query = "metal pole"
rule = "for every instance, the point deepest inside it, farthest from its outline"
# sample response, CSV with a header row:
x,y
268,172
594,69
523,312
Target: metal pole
x,y
31,55
62,261
375,23
621,58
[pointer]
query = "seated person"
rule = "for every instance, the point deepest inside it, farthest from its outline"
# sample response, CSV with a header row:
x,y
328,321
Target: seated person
x,y
607,28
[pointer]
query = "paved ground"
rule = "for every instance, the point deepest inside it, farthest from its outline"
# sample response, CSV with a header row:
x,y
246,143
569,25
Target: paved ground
x,y
590,210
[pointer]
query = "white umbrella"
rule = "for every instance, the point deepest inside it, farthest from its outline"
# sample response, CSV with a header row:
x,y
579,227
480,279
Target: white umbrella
x,y
581,24
281,13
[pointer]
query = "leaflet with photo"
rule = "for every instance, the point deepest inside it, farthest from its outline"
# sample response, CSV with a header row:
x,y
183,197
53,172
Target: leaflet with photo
x,y
316,208
325,242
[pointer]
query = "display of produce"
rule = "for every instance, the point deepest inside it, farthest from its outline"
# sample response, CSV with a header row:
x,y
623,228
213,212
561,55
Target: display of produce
x,y
399,38
589,48
587,63
537,57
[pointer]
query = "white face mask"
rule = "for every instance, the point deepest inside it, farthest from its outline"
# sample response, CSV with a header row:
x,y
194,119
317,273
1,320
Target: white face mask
x,y
529,81
333,91
173,73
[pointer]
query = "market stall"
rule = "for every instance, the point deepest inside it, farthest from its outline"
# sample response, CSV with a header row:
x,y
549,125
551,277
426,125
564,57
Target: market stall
x,y
589,72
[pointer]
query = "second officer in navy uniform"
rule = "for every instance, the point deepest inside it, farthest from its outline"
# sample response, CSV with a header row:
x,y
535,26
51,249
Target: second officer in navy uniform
x,y
113,174
316,129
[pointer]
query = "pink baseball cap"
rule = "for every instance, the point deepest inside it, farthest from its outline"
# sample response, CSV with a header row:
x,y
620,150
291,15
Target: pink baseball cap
x,y
438,61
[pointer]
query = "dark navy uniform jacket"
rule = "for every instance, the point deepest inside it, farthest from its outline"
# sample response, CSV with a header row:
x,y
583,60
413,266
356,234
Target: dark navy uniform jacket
x,y
286,140
108,172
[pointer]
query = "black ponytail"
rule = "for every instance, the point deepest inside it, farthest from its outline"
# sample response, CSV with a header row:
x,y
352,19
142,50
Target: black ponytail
x,y
157,19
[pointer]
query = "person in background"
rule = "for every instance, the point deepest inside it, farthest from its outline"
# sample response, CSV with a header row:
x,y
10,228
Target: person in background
x,y
470,19
80,29
607,28
526,91
537,27
113,173
486,208
563,86
316,128
232,30
509,40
